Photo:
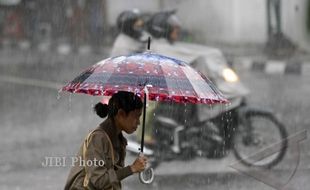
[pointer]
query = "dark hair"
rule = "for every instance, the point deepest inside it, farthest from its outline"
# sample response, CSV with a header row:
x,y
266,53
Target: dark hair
x,y
126,101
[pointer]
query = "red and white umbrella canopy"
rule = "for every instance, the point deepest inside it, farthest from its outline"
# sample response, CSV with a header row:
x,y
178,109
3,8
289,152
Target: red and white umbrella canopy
x,y
166,78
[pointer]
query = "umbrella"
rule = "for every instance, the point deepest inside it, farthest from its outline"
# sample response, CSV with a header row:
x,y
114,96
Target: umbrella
x,y
166,79
151,76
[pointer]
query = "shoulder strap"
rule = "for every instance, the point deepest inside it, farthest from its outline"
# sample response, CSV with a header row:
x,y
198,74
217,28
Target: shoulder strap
x,y
85,144
111,147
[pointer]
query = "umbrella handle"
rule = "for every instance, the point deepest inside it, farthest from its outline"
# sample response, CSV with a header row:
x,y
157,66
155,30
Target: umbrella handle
x,y
148,171
149,179
147,176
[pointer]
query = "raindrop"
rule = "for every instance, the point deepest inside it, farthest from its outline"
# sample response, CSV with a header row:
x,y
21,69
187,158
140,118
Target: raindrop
x,y
157,98
92,103
58,95
70,102
210,106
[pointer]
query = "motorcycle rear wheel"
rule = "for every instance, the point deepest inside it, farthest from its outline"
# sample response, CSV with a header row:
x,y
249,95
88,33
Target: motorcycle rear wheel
x,y
250,140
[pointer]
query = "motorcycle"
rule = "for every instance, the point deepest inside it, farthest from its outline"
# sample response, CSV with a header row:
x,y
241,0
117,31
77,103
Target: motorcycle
x,y
211,131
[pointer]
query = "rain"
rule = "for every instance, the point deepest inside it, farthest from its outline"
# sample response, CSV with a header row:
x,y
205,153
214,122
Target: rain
x,y
255,54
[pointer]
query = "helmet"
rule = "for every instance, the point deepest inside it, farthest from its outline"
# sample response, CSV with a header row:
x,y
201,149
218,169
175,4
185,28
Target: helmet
x,y
126,21
162,24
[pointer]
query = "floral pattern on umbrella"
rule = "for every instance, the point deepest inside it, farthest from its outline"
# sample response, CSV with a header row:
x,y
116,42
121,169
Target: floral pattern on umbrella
x,y
167,79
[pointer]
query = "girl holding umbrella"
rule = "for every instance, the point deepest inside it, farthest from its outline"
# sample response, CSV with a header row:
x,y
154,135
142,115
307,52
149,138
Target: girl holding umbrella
x,y
107,143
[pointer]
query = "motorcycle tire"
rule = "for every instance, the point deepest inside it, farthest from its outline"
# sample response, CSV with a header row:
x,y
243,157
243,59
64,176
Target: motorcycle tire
x,y
275,125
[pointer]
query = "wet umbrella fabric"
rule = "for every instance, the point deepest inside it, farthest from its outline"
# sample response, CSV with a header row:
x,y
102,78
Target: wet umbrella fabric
x,y
167,79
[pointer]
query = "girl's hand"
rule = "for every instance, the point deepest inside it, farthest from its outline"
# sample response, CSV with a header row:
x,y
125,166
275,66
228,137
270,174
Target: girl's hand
x,y
139,164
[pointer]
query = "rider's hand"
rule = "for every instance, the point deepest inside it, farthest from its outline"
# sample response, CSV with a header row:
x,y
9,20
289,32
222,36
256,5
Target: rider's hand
x,y
139,164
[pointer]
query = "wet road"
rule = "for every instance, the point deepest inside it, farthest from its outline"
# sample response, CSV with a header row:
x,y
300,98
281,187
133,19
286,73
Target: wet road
x,y
34,124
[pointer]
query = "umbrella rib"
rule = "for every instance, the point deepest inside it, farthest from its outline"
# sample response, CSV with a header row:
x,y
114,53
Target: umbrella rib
x,y
196,88
165,79
105,84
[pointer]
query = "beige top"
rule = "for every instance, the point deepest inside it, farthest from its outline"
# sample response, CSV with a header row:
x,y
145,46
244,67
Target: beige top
x,y
98,147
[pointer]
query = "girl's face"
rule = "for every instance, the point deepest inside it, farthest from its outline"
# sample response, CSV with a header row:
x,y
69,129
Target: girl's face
x,y
129,122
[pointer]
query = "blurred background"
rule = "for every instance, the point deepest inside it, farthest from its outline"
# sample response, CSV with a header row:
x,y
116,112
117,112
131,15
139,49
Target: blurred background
x,y
79,23
45,44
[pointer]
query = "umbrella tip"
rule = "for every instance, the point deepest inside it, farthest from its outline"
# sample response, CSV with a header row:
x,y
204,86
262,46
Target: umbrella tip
x,y
149,43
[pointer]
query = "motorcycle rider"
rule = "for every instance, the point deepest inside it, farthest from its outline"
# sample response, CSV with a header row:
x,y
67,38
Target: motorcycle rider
x,y
165,29
164,26
131,38
222,122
